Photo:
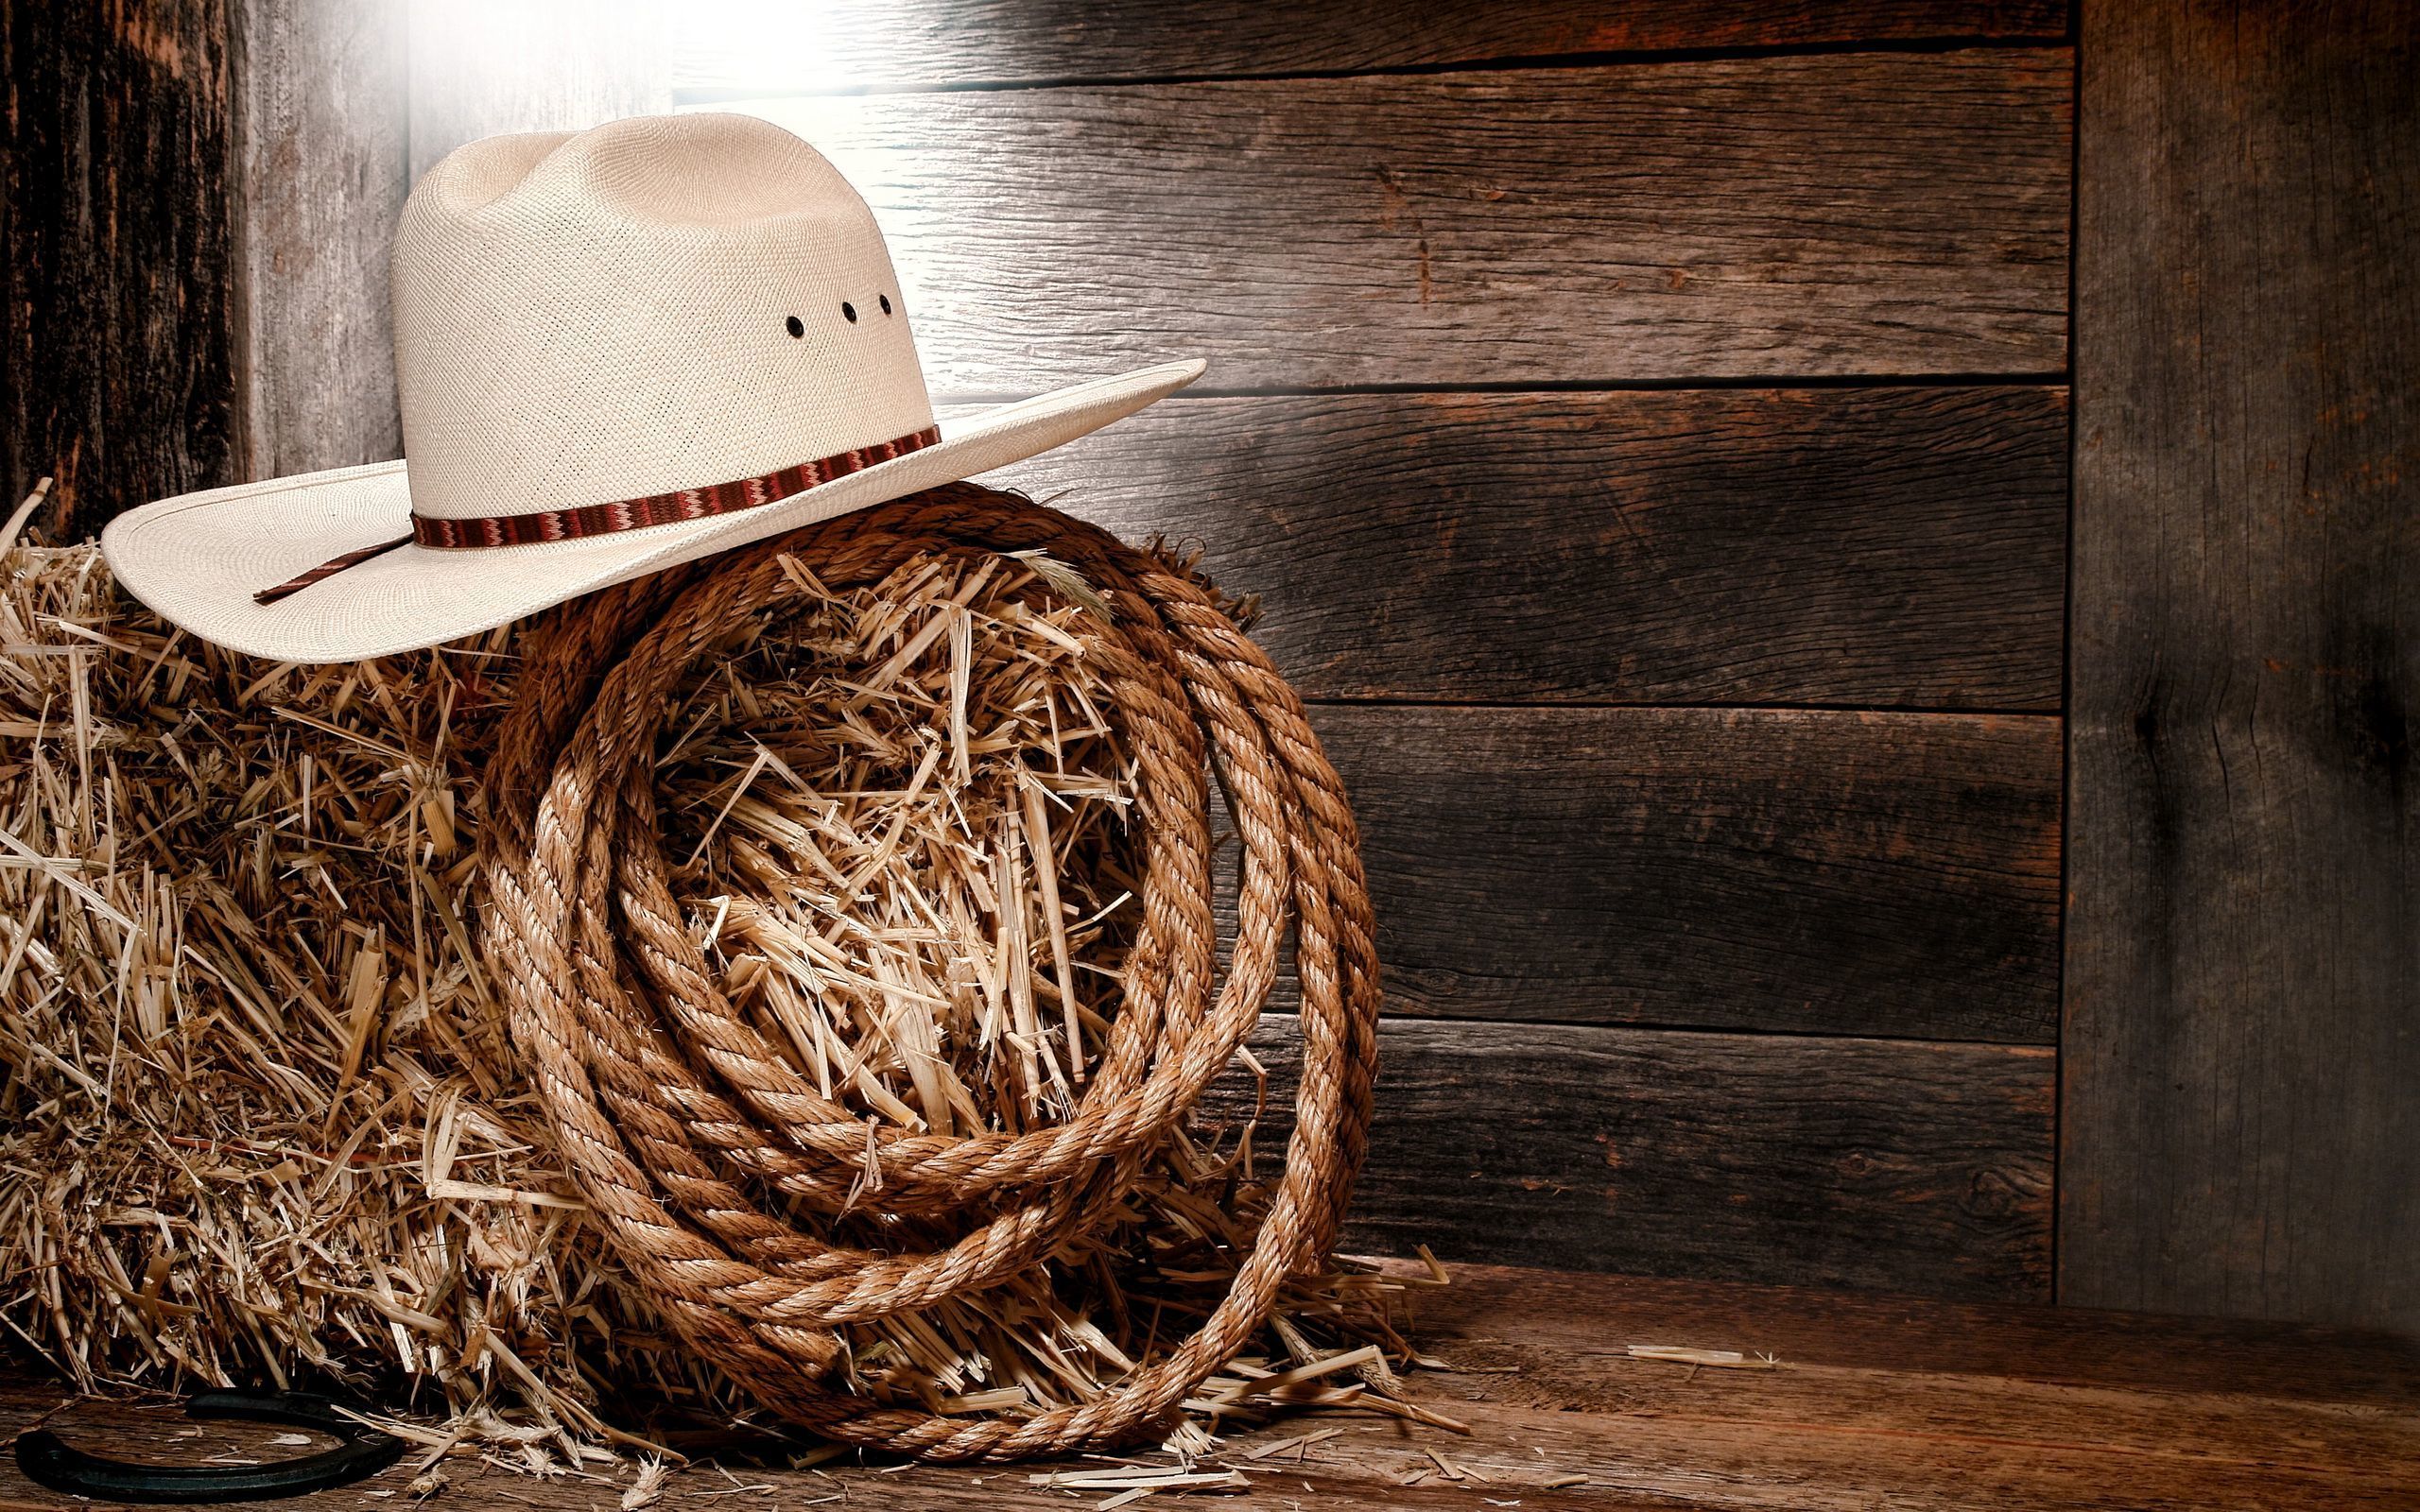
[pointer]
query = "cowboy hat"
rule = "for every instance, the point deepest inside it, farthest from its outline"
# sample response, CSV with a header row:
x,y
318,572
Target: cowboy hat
x,y
616,351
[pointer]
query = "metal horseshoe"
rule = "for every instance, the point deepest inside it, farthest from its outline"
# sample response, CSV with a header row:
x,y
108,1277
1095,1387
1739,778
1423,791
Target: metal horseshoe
x,y
362,1452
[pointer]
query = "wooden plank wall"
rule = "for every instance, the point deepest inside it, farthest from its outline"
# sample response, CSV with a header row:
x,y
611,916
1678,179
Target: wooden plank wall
x,y
2242,1110
1646,426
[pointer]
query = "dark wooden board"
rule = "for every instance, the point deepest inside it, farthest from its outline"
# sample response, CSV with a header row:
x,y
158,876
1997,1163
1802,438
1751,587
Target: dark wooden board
x,y
1839,213
1891,1164
117,314
1874,1401
857,45
321,133
1833,874
2242,1118
1876,549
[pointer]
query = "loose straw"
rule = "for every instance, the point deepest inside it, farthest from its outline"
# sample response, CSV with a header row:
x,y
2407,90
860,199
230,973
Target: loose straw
x,y
262,1117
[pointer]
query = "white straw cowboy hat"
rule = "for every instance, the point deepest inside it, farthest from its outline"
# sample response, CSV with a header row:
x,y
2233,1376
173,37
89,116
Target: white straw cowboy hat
x,y
614,352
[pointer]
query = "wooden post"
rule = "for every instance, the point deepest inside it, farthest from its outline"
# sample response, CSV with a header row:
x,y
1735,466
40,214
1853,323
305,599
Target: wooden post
x,y
2241,1108
322,139
117,319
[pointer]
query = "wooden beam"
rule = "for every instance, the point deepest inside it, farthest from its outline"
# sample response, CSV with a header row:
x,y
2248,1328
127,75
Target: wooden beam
x,y
1790,216
1827,873
1858,547
1900,1166
860,44
117,305
2242,1130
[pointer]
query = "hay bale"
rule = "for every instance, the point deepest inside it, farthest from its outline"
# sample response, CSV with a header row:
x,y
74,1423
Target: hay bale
x,y
260,1115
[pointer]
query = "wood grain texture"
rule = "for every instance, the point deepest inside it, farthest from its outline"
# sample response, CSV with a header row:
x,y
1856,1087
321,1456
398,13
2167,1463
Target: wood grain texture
x,y
117,319
1900,1166
2243,1115
1851,1363
856,44
1874,1402
479,68
1858,548
1817,1328
1832,873
322,174
1778,215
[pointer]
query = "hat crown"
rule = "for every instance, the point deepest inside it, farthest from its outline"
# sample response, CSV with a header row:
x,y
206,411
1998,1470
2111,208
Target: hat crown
x,y
661,303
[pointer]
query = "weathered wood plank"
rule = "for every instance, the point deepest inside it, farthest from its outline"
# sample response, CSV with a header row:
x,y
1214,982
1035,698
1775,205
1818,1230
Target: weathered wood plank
x,y
1862,874
482,69
856,44
1531,1311
1780,215
1904,1165
2155,1393
1875,1400
117,314
2242,1118
1858,548
322,174
1641,1461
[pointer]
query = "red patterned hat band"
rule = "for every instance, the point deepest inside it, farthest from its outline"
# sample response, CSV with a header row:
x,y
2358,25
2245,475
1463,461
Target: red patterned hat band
x,y
478,532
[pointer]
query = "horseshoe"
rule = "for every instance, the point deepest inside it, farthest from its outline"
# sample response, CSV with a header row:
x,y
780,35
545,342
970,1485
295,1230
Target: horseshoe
x,y
362,1452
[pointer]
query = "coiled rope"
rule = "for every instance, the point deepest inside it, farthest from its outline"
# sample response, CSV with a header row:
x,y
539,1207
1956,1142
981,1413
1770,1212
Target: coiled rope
x,y
682,1127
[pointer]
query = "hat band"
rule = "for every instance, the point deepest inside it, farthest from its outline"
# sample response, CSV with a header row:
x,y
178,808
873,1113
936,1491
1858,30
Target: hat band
x,y
539,525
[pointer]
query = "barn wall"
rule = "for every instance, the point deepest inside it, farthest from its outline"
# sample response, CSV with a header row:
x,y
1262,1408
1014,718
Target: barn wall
x,y
1645,427
1647,430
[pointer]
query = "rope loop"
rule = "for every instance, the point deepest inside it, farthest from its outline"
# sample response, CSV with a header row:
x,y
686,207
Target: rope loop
x,y
707,1157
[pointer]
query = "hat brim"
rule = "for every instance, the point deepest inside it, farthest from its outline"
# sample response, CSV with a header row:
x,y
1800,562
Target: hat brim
x,y
197,558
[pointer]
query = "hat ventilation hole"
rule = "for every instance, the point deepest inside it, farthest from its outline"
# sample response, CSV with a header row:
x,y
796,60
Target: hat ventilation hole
x,y
849,312
796,326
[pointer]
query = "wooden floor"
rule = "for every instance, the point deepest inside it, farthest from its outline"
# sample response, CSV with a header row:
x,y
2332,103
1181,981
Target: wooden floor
x,y
1872,1402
